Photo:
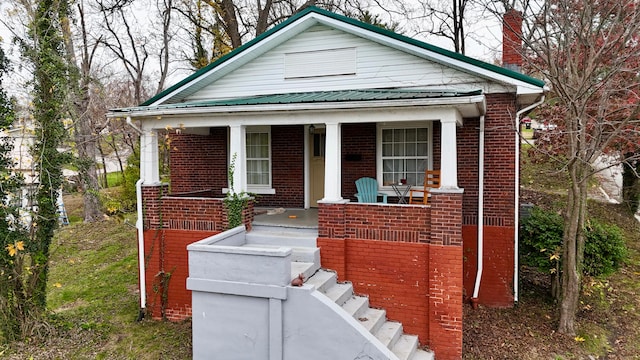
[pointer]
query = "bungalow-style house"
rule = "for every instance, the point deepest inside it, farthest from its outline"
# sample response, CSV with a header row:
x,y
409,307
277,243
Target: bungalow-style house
x,y
301,113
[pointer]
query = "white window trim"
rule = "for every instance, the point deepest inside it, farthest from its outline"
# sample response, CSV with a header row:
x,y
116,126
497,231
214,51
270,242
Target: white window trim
x,y
255,190
400,125
266,188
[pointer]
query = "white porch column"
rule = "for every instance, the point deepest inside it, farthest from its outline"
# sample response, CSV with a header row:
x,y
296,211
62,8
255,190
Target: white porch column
x,y
149,167
448,153
237,147
332,164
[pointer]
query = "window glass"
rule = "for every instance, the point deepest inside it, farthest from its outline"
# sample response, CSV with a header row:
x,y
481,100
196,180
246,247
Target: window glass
x,y
258,158
405,155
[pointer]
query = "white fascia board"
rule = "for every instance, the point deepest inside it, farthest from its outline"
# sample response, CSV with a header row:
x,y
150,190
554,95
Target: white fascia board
x,y
479,100
242,58
424,53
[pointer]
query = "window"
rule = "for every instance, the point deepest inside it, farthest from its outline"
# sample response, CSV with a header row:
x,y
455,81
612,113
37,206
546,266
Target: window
x,y
404,153
327,62
258,157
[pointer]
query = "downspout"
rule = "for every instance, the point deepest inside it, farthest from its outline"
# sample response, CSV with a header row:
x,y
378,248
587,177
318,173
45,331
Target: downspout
x,y
516,215
476,286
141,266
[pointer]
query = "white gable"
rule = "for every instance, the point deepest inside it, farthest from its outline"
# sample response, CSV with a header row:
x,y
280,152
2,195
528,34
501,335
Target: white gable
x,y
324,59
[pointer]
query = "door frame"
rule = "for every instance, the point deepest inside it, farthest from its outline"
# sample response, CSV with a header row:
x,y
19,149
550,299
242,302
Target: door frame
x,y
308,154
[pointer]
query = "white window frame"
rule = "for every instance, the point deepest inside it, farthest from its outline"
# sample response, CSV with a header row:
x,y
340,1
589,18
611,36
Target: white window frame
x,y
400,125
259,188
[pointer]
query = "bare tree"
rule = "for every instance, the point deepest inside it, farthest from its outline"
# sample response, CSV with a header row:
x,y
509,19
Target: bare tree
x,y
86,138
216,27
448,19
133,47
589,53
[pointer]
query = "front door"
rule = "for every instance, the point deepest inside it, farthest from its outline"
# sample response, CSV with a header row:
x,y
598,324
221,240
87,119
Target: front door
x,y
316,168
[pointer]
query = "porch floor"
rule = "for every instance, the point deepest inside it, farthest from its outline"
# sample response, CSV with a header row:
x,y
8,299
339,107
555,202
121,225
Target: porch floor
x,y
293,218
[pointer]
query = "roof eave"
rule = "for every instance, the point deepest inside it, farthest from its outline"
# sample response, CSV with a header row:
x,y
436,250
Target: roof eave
x,y
477,101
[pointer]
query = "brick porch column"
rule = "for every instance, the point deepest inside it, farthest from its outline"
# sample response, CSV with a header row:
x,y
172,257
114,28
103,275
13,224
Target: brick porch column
x,y
445,274
151,204
331,232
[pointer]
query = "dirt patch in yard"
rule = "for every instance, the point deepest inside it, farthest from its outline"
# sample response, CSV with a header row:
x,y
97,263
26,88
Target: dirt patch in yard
x,y
607,323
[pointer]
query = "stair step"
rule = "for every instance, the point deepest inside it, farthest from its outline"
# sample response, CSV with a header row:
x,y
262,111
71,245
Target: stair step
x,y
389,333
340,293
298,253
423,355
305,268
356,305
372,319
322,280
405,347
273,235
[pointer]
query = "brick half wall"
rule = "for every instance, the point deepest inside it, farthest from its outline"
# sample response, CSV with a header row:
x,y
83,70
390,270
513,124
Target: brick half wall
x,y
171,223
388,253
167,269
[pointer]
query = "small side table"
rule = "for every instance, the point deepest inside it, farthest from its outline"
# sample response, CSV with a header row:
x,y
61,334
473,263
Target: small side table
x,y
401,191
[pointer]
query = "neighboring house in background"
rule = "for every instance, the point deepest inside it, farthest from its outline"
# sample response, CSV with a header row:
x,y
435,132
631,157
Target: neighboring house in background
x,y
308,108
21,137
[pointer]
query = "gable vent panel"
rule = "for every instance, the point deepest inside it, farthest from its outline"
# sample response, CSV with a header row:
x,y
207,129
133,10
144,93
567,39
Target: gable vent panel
x,y
320,63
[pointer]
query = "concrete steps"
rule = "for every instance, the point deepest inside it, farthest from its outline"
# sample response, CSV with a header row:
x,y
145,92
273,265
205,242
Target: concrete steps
x,y
389,333
306,260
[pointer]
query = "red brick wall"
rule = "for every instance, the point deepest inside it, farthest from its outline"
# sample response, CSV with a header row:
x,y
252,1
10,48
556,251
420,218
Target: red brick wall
x,y
445,301
199,162
467,143
287,151
499,200
394,276
389,253
358,140
201,214
499,187
512,38
171,223
496,285
166,253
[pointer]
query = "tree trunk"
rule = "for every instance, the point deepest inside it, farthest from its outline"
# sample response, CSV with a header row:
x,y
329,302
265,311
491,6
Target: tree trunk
x,y
86,143
573,239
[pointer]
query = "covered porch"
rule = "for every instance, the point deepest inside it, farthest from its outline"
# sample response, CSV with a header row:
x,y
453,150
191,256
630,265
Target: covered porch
x,y
303,157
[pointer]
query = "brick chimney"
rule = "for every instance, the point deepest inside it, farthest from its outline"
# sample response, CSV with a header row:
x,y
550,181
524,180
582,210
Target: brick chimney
x,y
512,40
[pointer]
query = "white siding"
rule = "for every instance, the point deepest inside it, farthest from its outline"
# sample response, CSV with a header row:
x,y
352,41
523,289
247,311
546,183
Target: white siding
x,y
377,66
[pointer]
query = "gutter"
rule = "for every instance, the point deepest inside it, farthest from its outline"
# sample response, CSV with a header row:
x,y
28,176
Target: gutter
x,y
139,226
516,215
480,255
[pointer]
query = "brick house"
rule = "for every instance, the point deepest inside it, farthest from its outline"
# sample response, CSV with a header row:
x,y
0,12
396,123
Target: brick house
x,y
308,108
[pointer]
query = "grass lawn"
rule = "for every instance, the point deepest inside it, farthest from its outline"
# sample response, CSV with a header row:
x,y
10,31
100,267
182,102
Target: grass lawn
x,y
93,295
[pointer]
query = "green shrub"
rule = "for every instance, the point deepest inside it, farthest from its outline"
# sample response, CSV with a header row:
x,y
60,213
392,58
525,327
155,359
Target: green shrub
x,y
604,249
541,240
541,244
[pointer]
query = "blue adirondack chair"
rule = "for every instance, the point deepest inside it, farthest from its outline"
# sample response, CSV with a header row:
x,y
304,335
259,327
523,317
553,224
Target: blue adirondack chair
x,y
368,191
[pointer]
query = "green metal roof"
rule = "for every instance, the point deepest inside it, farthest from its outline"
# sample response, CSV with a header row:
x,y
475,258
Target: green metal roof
x,y
376,29
317,97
